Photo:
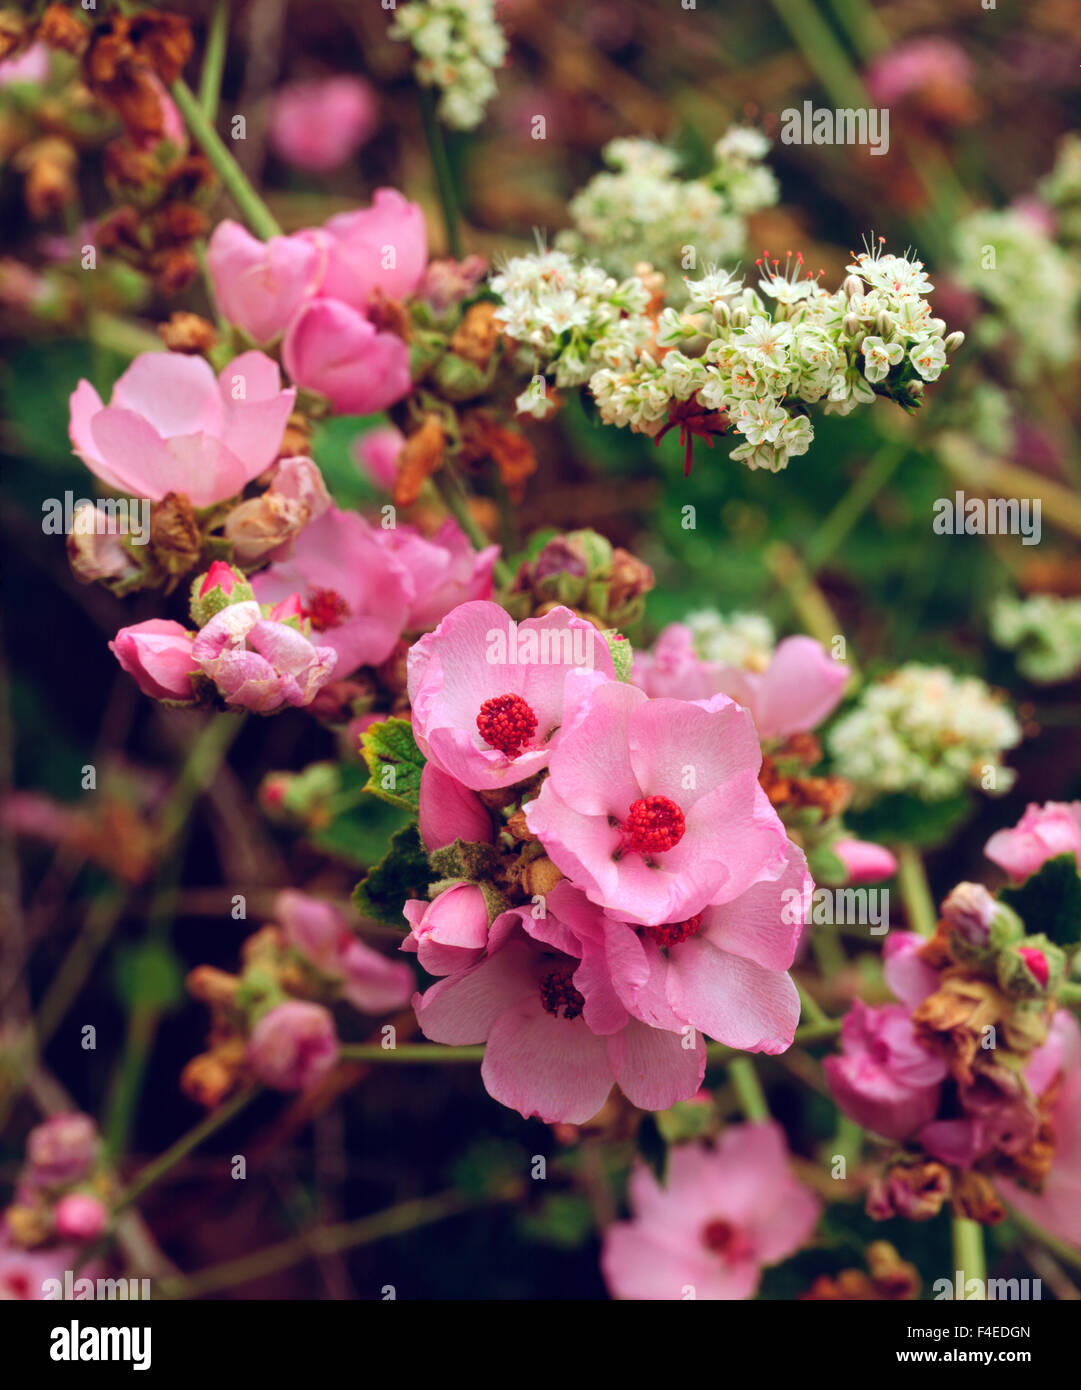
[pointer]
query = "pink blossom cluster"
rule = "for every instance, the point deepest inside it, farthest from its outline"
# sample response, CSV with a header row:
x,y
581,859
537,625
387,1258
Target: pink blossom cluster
x,y
320,291
669,869
56,1209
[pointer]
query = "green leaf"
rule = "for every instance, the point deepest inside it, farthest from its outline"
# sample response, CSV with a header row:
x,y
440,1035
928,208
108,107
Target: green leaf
x,y
394,761
1050,901
910,820
564,1219
401,874
333,443
358,834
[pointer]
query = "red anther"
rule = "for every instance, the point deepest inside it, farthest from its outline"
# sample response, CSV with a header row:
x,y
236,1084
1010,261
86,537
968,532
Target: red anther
x,y
558,992
325,608
672,933
506,722
654,824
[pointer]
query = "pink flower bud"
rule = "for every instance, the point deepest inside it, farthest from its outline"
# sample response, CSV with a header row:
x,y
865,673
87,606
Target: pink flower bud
x,y
79,1216
261,663
1037,963
95,550
61,1150
865,862
1042,833
218,576
290,607
319,125
158,654
293,1046
333,349
970,908
377,453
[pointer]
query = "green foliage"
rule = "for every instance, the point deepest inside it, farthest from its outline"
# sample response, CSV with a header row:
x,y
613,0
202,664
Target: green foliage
x,y
1049,901
332,450
910,820
149,976
401,874
391,745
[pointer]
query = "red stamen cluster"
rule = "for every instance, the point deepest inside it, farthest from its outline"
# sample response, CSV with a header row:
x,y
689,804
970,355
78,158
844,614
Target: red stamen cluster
x,y
672,933
654,824
558,992
722,1238
325,608
506,722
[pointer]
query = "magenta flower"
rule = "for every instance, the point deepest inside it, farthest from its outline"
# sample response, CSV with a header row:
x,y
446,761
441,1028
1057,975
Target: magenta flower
x,y
910,978
78,1216
259,285
61,1150
723,1214
449,811
172,426
722,970
293,1046
1057,1207
24,1273
260,663
487,692
352,589
380,248
884,1078
157,653
319,931
926,61
444,569
653,807
864,861
558,1037
376,451
1041,833
333,349
450,932
318,125
798,689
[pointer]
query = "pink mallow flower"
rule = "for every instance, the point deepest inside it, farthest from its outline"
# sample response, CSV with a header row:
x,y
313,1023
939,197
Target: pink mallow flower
x,y
320,932
353,590
1057,1207
172,426
487,692
78,1216
382,248
376,452
259,285
261,663
450,932
723,1214
884,1078
653,807
293,1046
798,689
864,861
1041,833
318,125
444,570
157,654
334,349
449,811
557,1035
24,1274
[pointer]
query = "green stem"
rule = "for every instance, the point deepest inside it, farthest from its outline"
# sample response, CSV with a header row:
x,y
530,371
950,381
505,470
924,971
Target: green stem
x,y
214,60
444,179
835,529
326,1240
258,215
453,497
410,1052
866,32
749,1089
156,1170
1069,995
968,1254
916,891
822,50
117,335
811,1007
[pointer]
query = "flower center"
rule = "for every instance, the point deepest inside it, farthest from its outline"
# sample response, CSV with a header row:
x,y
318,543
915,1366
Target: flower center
x,y
506,722
721,1238
654,824
674,932
558,992
325,608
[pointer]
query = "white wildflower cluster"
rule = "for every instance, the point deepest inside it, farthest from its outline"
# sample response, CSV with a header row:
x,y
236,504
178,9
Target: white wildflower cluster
x,y
1033,287
642,211
575,317
459,44
1044,631
745,640
763,356
927,732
